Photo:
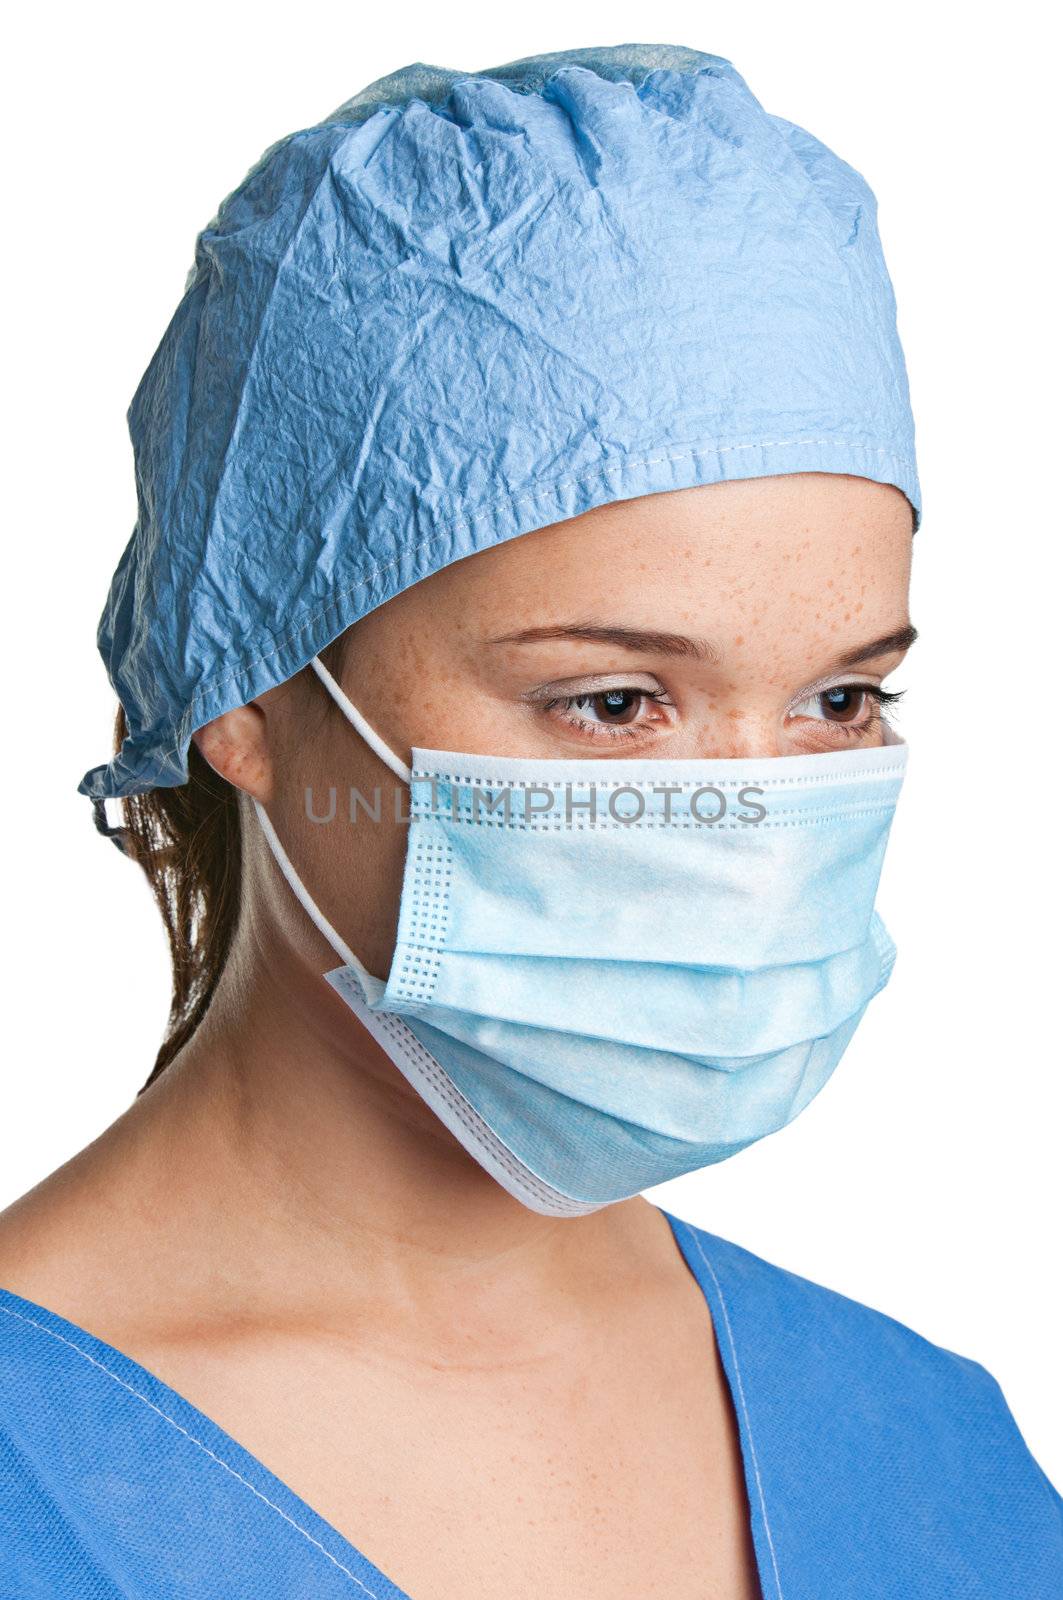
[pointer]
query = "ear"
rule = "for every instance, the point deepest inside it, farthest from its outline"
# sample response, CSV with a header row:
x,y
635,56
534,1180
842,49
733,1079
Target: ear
x,y
237,747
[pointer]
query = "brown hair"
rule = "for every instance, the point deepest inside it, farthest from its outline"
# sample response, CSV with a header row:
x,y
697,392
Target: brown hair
x,y
188,842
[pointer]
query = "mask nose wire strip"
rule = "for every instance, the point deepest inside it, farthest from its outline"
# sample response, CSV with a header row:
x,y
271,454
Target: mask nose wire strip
x,y
355,718
302,894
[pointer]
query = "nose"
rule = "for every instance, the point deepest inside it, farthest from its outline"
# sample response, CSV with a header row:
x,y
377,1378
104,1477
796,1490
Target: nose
x,y
743,735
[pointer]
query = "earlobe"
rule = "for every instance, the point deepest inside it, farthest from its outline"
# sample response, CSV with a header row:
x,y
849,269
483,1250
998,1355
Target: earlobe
x,y
236,746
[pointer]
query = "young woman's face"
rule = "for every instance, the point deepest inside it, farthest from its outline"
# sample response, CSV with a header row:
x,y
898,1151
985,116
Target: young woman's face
x,y
754,618
745,618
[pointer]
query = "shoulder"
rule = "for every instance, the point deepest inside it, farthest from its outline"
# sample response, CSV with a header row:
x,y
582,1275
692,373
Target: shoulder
x,y
112,1484
823,1345
92,1239
896,1449
812,1326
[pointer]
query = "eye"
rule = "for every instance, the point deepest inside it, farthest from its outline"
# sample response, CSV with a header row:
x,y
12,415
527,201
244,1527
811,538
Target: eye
x,y
853,705
614,711
612,705
848,702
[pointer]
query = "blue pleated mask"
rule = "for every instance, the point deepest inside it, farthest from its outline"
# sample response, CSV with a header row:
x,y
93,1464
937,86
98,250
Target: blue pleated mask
x,y
611,973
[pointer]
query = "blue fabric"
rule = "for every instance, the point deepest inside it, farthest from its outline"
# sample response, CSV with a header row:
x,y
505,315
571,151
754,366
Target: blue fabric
x,y
609,1042
878,1466
464,306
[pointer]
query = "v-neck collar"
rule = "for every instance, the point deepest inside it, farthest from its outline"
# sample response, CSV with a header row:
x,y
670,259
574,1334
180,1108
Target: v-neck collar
x,y
231,1457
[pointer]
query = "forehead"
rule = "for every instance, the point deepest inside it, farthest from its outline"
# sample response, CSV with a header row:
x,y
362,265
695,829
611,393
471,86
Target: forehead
x,y
784,560
804,520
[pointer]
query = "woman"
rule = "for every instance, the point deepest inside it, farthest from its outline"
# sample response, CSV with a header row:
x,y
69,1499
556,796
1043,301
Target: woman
x,y
526,507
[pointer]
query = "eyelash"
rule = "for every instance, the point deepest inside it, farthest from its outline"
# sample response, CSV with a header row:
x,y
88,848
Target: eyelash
x,y
599,730
882,698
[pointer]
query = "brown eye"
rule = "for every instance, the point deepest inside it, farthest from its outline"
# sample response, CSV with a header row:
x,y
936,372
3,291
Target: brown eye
x,y
846,703
616,705
618,711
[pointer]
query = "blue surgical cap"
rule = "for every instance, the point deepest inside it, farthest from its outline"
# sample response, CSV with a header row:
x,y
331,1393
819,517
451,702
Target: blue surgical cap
x,y
464,306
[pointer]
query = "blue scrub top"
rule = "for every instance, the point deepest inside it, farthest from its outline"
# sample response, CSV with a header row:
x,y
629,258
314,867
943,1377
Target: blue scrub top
x,y
877,1465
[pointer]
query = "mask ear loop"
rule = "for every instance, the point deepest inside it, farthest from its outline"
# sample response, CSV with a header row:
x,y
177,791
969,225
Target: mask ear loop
x,y
357,721
371,985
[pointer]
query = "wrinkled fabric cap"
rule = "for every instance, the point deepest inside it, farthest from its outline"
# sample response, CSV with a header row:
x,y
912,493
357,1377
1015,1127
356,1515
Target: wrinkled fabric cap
x,y
464,306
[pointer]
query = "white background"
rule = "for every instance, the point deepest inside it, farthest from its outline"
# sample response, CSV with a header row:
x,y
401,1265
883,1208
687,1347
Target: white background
x,y
925,1180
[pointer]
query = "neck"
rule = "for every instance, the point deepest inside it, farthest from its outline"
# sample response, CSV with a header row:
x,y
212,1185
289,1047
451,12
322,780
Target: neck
x,y
284,1143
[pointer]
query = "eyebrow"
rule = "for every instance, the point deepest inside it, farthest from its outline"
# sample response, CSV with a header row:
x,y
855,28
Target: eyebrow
x,y
679,644
900,639
650,643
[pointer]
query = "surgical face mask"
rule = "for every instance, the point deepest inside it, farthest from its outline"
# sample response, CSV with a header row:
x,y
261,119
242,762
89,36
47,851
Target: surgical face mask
x,y
607,972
